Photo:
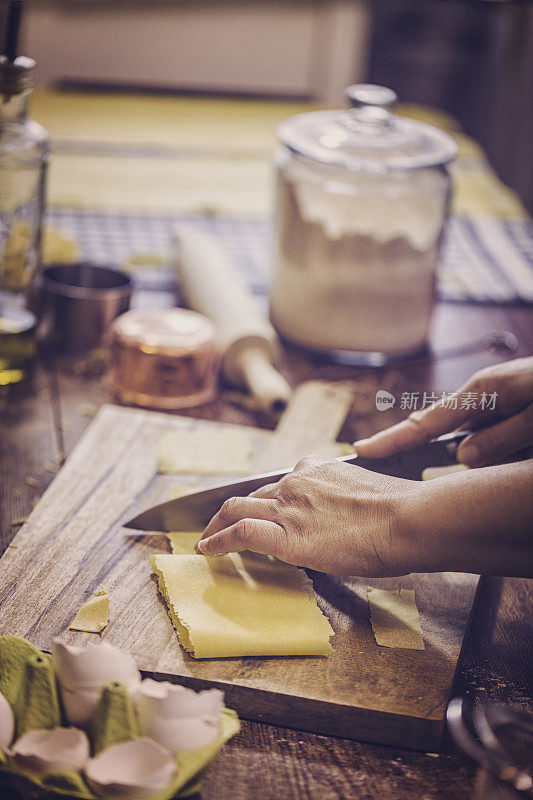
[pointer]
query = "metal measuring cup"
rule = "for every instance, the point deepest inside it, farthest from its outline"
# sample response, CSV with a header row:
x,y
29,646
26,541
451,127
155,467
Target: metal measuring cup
x,y
76,303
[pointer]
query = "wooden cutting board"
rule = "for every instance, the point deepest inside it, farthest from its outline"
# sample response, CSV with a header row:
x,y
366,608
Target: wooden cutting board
x,y
73,542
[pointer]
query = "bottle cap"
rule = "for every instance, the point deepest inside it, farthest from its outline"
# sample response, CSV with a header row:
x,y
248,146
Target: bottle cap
x,y
16,76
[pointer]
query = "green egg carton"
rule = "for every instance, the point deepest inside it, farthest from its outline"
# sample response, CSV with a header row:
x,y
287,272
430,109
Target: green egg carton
x,y
28,682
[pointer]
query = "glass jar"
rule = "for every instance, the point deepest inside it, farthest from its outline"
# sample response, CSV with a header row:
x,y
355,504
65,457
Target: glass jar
x,y
362,199
24,152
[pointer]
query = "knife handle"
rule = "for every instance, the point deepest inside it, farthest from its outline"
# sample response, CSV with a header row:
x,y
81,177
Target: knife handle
x,y
450,441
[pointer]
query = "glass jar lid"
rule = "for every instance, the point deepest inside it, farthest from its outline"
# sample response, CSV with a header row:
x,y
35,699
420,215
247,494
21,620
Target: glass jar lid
x,y
368,136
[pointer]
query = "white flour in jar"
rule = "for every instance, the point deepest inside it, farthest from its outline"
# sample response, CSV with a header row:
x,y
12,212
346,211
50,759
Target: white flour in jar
x,y
355,264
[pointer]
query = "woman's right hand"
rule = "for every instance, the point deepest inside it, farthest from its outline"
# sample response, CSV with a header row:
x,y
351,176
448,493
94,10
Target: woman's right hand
x,y
498,432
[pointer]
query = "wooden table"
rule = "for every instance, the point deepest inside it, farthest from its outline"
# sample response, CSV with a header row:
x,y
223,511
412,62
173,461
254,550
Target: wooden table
x,y
41,423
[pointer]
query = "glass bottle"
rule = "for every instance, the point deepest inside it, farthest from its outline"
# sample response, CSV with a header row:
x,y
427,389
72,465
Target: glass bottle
x,y
24,154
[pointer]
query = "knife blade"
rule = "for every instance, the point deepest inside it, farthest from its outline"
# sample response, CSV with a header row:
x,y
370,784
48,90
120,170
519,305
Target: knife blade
x,y
193,511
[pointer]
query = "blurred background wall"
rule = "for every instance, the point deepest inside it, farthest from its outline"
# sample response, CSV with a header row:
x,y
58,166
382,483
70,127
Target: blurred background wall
x,y
301,49
472,58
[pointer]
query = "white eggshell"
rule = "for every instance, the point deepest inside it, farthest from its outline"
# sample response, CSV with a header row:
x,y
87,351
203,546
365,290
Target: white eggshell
x,y
92,666
83,672
178,735
131,770
45,751
80,705
168,701
7,723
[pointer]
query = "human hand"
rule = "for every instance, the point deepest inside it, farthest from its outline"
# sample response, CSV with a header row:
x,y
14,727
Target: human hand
x,y
325,515
498,433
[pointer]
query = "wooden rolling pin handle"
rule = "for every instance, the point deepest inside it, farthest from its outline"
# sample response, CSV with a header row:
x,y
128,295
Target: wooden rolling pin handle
x,y
264,382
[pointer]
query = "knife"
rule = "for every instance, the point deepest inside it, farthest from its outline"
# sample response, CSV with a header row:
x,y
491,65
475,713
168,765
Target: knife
x,y
193,511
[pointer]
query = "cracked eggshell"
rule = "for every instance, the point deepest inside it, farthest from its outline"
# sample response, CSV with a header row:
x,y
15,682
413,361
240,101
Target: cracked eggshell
x,y
7,724
93,666
80,705
180,735
82,673
45,751
166,700
131,770
179,718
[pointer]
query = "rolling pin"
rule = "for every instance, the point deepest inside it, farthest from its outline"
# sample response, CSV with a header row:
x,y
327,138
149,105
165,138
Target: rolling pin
x,y
211,284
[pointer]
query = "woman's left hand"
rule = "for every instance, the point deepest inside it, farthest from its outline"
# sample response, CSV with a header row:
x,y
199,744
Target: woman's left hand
x,y
324,515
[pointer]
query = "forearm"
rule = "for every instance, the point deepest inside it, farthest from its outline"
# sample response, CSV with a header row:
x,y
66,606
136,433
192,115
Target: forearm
x,y
476,521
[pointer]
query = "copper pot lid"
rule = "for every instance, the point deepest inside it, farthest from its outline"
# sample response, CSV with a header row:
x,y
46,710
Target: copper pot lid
x,y
174,331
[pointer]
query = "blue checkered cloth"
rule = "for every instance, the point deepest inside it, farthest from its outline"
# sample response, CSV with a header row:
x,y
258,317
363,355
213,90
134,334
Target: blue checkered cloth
x,y
483,259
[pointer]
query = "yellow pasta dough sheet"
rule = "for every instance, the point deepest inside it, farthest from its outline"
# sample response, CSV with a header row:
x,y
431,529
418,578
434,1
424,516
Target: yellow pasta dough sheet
x,y
182,543
93,615
394,617
241,605
205,452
